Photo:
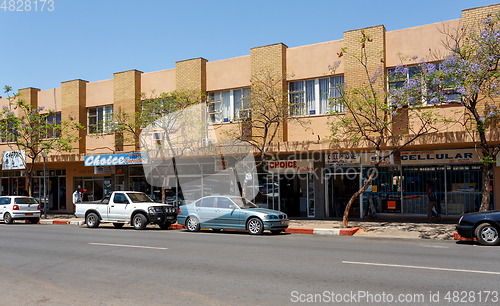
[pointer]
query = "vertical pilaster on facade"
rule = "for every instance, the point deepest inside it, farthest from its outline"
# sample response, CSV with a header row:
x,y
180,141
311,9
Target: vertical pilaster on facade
x,y
271,59
73,104
29,95
472,19
191,74
126,91
355,74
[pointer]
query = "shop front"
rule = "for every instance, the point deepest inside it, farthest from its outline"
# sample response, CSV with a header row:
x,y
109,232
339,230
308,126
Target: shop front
x,y
342,180
288,186
456,175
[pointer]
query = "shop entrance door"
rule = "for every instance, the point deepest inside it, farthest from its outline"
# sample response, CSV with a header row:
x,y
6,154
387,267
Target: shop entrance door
x,y
340,187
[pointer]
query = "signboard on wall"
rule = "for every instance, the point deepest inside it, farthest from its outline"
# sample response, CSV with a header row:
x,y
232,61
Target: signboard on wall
x,y
13,160
290,166
338,159
369,159
104,170
116,159
432,157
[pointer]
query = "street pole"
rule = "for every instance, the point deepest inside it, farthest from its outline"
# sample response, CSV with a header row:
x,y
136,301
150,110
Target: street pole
x,y
44,155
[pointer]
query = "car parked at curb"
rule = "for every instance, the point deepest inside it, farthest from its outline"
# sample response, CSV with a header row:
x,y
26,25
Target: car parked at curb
x,y
231,212
19,208
484,226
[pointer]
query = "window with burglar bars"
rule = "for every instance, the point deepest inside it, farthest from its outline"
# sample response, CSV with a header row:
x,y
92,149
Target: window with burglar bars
x,y
100,119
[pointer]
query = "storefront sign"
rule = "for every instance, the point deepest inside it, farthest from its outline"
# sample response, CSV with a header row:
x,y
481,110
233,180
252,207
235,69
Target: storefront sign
x,y
370,159
333,160
104,170
13,160
439,157
290,166
115,159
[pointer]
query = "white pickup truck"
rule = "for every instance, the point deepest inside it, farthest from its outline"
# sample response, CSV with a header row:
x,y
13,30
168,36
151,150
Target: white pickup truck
x,y
123,207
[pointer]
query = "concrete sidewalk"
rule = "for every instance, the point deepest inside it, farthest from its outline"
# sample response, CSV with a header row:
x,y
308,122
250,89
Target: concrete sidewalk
x,y
413,228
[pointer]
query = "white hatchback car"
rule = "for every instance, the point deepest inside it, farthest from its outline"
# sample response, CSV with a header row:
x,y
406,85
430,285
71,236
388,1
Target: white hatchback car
x,y
19,208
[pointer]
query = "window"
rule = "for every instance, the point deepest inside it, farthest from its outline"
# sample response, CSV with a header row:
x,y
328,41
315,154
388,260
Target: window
x,y
54,130
242,107
100,119
223,202
318,96
228,105
8,133
397,78
120,198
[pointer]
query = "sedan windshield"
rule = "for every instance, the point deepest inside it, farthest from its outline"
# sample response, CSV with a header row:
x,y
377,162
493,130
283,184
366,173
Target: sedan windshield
x,y
25,201
139,198
244,203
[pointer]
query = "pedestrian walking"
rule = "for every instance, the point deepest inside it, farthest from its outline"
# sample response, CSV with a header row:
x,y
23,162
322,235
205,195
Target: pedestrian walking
x,y
430,191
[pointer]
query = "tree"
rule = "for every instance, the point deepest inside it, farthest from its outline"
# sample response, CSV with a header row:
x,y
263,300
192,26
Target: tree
x,y
165,127
375,118
268,113
35,130
471,69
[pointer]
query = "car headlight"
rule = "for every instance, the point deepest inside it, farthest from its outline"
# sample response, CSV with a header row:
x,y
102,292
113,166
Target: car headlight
x,y
151,210
271,217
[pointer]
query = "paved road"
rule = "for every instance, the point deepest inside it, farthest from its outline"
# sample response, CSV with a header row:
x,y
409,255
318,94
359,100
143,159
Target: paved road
x,y
72,265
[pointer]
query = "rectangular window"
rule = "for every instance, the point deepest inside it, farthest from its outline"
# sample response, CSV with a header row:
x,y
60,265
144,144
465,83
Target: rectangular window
x,y
228,105
398,81
318,96
8,133
54,125
330,92
100,119
241,98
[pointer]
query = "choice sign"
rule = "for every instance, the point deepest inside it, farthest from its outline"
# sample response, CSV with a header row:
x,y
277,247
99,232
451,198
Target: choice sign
x,y
115,159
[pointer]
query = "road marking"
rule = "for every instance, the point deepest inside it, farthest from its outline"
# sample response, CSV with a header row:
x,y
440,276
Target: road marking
x,y
420,267
128,246
434,246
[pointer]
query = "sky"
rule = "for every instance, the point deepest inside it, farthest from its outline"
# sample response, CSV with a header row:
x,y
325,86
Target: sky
x,y
92,39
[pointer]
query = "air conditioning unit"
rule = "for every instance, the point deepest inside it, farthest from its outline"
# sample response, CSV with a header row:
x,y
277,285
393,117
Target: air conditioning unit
x,y
157,136
208,142
244,114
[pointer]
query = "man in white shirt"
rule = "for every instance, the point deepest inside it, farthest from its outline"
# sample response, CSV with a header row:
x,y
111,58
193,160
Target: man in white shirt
x,y
77,195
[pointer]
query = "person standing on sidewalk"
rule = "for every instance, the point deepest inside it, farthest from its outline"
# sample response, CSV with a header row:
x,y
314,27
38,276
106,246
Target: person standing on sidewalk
x,y
430,191
77,195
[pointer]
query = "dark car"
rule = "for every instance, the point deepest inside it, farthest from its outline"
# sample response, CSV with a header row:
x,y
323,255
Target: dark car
x,y
484,226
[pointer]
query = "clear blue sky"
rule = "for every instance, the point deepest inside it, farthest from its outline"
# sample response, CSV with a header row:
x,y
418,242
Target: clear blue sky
x,y
92,39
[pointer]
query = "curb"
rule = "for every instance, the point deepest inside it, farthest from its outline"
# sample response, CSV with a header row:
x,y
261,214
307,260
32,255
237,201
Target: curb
x,y
61,222
460,238
291,230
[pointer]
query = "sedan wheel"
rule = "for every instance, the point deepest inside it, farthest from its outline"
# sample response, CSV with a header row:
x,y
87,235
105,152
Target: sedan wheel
x,y
487,234
192,224
255,226
140,222
7,218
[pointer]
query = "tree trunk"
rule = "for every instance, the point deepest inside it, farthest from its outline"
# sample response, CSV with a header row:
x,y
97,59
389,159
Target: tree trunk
x,y
354,197
486,195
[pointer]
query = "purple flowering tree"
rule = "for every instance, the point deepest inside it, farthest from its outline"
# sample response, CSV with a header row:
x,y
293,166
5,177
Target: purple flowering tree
x,y
377,119
34,130
471,73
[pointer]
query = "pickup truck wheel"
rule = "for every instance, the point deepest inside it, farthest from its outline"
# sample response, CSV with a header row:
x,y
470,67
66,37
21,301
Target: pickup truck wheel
x,y
118,225
139,221
92,220
192,224
165,225
7,218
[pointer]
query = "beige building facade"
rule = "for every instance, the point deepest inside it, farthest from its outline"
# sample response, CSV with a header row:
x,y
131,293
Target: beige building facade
x,y
327,177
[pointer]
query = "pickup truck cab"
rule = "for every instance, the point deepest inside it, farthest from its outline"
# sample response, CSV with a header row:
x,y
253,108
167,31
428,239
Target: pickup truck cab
x,y
122,207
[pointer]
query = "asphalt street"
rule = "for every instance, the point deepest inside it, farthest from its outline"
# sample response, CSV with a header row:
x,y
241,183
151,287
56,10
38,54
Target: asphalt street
x,y
73,265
